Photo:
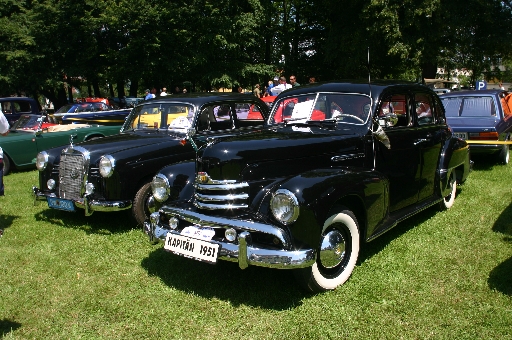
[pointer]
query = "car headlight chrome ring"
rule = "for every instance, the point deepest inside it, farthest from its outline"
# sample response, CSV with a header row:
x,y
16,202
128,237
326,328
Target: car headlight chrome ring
x,y
41,160
161,188
107,165
284,206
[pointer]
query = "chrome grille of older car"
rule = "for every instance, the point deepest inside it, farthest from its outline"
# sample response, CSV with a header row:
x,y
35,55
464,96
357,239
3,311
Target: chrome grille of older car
x,y
71,175
220,194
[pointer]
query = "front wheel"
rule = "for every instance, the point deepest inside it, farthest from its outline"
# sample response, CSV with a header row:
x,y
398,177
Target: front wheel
x,y
143,204
337,254
7,165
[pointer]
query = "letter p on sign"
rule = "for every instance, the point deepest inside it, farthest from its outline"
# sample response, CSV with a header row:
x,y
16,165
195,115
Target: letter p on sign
x,y
481,85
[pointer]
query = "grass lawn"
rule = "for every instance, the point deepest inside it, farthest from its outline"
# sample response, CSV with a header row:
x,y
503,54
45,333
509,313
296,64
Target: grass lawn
x,y
438,275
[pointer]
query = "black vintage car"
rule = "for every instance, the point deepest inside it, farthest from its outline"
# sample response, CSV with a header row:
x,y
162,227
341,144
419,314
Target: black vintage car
x,y
338,165
114,173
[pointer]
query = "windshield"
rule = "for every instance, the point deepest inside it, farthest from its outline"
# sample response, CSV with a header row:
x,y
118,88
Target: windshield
x,y
27,122
343,108
172,116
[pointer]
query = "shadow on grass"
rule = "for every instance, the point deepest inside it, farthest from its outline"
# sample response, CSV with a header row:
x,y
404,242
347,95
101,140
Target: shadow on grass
x,y
485,162
97,223
6,221
267,288
7,326
500,278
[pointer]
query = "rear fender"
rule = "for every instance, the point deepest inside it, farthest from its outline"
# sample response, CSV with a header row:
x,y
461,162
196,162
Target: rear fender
x,y
455,157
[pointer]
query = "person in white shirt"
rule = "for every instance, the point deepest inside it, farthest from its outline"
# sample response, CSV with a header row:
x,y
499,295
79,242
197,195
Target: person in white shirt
x,y
281,87
4,131
164,92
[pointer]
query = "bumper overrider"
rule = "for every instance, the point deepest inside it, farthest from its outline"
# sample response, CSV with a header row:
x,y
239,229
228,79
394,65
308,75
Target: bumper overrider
x,y
86,203
241,249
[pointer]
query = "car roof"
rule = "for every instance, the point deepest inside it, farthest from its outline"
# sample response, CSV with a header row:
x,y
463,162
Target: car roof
x,y
472,93
374,88
202,98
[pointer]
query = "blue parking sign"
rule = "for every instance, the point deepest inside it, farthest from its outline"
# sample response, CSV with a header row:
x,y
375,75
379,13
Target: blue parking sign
x,y
481,85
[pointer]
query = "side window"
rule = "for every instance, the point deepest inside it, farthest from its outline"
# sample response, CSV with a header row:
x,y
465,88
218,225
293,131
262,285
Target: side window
x,y
478,107
6,108
423,108
393,111
215,118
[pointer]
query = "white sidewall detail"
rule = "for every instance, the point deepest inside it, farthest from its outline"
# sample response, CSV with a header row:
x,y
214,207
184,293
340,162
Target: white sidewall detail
x,y
332,283
448,200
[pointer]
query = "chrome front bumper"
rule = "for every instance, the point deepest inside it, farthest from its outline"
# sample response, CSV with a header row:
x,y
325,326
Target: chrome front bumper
x,y
89,206
241,250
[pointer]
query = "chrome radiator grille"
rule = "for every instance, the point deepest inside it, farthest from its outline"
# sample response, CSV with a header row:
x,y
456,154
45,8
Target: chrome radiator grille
x,y
220,195
71,175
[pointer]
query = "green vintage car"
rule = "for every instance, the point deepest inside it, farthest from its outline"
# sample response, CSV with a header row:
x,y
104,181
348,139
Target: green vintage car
x,y
32,134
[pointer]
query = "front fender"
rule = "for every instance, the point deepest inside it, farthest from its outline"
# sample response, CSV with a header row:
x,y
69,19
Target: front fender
x,y
322,192
181,180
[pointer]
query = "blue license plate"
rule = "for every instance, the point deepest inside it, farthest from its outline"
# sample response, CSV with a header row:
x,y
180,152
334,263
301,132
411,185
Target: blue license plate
x,y
61,204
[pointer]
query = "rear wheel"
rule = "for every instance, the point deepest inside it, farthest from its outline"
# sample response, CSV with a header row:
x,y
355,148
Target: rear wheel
x,y
143,204
448,201
337,254
504,155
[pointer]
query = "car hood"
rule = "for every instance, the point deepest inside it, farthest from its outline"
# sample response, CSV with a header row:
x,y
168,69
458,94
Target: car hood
x,y
284,149
133,143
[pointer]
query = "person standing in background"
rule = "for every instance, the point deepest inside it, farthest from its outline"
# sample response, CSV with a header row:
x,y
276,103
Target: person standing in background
x,y
164,92
257,92
293,81
4,131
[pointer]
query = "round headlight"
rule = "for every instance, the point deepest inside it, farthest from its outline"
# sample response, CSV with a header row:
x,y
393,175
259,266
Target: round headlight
x,y
284,206
41,160
107,164
161,188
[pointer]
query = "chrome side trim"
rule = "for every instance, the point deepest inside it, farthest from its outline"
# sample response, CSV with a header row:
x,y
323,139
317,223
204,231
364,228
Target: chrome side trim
x,y
207,206
223,186
221,198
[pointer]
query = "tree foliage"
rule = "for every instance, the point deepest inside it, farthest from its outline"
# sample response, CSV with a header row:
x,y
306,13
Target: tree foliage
x,y
49,46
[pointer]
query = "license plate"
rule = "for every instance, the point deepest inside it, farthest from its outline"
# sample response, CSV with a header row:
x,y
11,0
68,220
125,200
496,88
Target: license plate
x,y
461,135
192,247
61,204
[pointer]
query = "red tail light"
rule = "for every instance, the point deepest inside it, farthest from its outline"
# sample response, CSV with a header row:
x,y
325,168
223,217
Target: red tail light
x,y
483,136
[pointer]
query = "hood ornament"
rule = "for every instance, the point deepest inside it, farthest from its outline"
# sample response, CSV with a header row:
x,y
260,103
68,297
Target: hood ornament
x,y
71,137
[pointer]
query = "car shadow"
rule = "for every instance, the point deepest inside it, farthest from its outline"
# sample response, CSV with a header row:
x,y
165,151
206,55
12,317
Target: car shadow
x,y
97,223
500,278
484,162
267,288
7,326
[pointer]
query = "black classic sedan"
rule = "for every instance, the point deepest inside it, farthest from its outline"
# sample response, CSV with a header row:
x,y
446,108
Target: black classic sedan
x,y
483,118
114,173
338,165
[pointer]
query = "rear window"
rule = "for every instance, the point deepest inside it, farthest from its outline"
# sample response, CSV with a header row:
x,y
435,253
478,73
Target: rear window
x,y
469,107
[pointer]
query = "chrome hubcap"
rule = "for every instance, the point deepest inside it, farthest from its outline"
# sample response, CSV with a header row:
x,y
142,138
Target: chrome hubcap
x,y
332,249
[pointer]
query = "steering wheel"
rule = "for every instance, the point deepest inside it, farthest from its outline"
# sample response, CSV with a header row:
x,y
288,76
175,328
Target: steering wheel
x,y
349,116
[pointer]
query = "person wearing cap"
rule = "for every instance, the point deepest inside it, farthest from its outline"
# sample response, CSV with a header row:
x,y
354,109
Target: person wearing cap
x,y
281,87
271,84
